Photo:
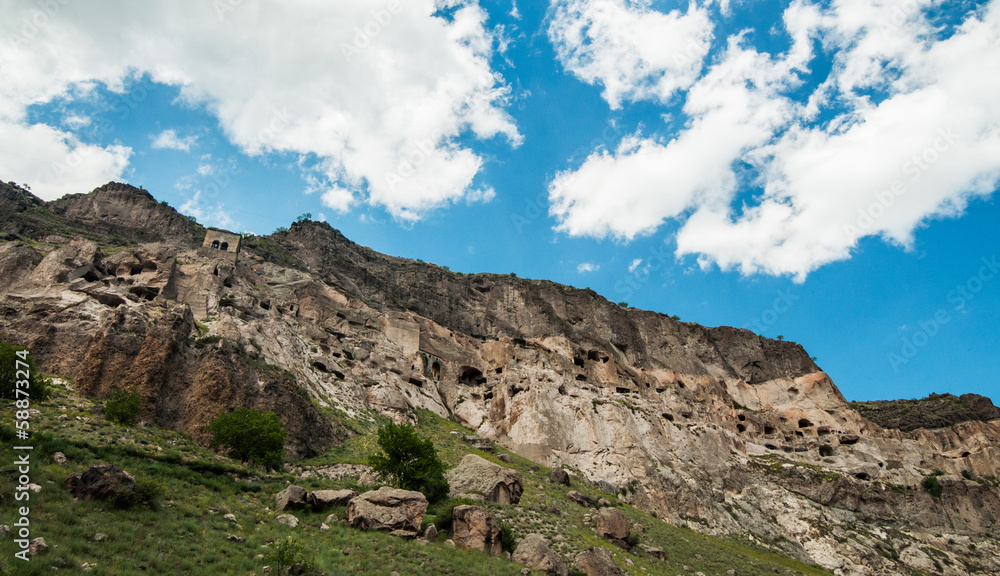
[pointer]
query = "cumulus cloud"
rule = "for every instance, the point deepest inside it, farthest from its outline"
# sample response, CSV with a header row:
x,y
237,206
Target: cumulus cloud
x,y
585,267
904,129
169,140
634,52
377,93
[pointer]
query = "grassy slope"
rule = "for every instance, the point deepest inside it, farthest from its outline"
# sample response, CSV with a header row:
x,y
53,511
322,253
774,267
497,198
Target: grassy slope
x,y
188,534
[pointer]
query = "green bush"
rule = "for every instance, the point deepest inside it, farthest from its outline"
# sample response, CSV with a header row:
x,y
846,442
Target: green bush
x,y
932,486
408,462
38,386
250,436
123,407
146,494
287,553
507,541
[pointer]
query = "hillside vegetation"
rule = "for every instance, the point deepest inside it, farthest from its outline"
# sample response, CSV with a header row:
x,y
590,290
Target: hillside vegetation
x,y
186,532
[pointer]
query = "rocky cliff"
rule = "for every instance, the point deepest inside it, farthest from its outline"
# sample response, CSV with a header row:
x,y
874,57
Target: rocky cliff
x,y
715,428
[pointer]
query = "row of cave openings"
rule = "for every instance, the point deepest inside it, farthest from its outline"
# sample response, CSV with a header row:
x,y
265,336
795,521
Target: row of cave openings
x,y
145,292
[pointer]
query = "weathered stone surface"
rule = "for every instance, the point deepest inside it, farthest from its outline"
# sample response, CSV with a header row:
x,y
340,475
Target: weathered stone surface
x,y
597,562
59,458
431,533
387,509
581,499
324,499
559,476
287,520
534,552
658,553
37,546
99,482
474,527
611,523
291,498
645,407
474,475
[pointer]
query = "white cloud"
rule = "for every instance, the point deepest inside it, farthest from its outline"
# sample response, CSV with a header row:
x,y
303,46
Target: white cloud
x,y
169,140
910,131
585,267
634,52
75,121
340,199
55,163
634,265
379,98
209,215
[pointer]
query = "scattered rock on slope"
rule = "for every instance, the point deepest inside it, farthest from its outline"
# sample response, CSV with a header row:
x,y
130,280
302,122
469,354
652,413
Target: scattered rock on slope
x,y
387,509
475,476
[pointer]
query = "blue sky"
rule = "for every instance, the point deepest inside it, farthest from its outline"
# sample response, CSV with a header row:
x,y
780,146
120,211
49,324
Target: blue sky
x,y
821,171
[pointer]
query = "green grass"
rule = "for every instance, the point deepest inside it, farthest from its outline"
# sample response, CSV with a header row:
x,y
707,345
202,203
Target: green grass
x,y
188,534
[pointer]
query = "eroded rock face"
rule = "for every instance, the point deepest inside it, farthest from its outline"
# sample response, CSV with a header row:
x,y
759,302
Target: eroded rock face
x,y
387,509
739,432
597,562
612,524
534,552
494,483
475,528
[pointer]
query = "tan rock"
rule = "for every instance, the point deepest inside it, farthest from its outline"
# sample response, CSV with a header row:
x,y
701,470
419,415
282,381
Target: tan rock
x,y
611,523
291,498
324,499
387,509
597,562
474,475
475,528
534,552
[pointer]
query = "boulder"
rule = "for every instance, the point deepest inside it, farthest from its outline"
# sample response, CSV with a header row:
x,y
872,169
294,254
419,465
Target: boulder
x,y
655,552
324,499
475,528
611,523
504,458
291,498
387,509
99,483
59,458
37,546
597,562
581,499
431,533
535,553
559,476
474,475
287,520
